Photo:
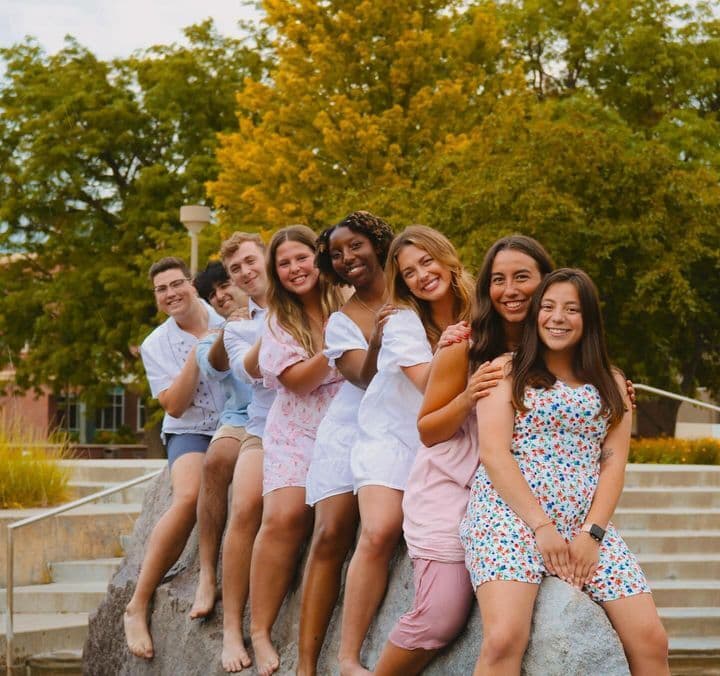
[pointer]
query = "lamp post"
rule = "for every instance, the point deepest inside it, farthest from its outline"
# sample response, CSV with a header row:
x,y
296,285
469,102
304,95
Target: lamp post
x,y
194,217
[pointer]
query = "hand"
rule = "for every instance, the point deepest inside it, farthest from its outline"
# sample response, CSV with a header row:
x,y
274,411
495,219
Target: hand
x,y
455,333
481,382
381,317
584,557
554,550
631,392
238,315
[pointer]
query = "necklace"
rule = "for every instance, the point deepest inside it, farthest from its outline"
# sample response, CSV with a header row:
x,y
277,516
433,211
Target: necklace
x,y
372,311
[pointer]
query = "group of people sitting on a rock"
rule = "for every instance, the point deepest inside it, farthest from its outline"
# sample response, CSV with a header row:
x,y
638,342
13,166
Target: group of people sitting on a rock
x,y
361,377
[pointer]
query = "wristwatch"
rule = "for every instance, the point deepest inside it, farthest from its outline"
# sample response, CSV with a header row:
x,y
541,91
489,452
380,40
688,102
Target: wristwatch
x,y
595,532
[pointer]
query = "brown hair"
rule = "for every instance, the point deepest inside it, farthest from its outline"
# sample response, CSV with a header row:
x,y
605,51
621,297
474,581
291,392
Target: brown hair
x,y
168,263
591,363
285,306
488,334
442,250
233,243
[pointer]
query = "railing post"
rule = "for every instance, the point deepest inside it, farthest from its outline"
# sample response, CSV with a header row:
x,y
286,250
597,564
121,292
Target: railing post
x,y
9,604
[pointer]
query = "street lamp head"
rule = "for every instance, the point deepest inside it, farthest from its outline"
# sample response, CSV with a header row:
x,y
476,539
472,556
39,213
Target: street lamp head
x,y
194,217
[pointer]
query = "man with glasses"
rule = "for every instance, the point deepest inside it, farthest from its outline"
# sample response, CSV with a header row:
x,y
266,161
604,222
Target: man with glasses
x,y
192,405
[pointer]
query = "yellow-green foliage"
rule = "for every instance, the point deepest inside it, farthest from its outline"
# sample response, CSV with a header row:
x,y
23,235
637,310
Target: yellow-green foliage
x,y
671,451
30,474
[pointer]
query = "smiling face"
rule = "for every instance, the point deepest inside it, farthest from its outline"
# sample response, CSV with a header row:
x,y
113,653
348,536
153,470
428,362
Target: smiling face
x,y
560,321
225,298
425,277
174,294
513,280
353,257
246,268
295,267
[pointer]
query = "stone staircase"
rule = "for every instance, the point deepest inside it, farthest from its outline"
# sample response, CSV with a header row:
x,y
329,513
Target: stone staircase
x,y
670,517
58,583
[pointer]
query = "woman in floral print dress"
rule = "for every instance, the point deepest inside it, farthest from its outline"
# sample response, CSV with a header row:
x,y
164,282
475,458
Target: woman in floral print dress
x,y
545,508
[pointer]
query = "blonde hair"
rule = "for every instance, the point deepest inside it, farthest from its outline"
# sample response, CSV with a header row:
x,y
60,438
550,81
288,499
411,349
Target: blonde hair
x,y
233,243
441,249
283,305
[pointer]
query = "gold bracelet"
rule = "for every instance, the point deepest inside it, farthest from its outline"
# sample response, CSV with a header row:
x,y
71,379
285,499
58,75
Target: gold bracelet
x,y
544,523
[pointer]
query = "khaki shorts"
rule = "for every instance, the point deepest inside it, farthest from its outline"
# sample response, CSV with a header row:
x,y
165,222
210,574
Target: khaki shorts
x,y
246,440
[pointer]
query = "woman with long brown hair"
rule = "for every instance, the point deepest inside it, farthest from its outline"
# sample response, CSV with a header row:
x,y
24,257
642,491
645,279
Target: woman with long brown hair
x,y
427,283
292,362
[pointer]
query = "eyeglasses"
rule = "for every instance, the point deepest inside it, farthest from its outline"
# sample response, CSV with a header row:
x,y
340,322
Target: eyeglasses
x,y
174,285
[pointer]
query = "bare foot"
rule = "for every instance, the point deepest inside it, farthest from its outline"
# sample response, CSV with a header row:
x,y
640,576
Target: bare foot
x,y
349,667
204,597
234,655
137,633
267,661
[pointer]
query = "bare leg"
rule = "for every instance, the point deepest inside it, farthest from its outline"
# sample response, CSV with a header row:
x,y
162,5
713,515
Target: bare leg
x,y
165,545
381,527
636,621
394,660
211,515
286,522
336,520
506,610
245,517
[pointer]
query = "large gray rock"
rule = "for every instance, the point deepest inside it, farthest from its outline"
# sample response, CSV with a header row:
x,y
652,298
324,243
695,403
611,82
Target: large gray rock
x,y
571,634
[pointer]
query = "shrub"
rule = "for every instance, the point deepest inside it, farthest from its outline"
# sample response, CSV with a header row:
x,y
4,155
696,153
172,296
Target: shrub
x,y
30,474
670,451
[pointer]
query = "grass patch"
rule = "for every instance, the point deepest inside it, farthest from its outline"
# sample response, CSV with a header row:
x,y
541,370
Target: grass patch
x,y
30,474
669,451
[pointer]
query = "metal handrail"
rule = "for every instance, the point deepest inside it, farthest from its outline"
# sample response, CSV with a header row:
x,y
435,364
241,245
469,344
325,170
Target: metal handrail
x,y
9,628
678,397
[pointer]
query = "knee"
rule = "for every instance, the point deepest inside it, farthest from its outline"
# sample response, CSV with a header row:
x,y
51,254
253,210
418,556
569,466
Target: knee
x,y
218,464
378,541
285,524
503,641
332,538
245,515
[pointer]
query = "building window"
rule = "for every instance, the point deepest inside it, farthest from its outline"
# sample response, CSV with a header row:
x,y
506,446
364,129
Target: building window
x,y
68,413
140,415
111,416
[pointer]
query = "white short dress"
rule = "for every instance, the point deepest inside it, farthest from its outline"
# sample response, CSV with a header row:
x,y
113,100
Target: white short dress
x,y
329,473
388,438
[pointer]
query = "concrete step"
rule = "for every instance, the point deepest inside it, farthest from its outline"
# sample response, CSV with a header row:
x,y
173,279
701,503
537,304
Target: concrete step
x,y
691,622
81,489
87,532
42,632
86,570
684,593
112,471
637,475
680,566
662,496
672,541
57,597
695,656
55,663
666,518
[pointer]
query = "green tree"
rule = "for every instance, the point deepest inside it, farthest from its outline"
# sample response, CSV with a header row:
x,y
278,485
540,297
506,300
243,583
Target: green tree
x,y
95,158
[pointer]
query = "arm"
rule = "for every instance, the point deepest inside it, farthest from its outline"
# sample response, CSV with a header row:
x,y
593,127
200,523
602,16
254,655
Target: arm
x,y
418,374
217,355
495,417
450,396
304,376
251,360
584,550
177,398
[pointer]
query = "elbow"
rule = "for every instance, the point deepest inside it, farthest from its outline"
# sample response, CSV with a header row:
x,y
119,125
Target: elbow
x,y
174,409
427,433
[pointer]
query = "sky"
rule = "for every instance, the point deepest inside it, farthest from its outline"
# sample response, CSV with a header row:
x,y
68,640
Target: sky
x,y
113,28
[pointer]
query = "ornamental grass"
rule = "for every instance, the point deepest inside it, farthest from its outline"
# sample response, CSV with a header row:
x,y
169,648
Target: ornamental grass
x,y
30,472
670,451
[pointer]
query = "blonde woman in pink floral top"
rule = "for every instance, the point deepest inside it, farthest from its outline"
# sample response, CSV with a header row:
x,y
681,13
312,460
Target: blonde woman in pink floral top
x,y
292,361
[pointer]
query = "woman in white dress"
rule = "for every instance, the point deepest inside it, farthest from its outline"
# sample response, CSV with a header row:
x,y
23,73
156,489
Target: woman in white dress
x,y
427,283
353,253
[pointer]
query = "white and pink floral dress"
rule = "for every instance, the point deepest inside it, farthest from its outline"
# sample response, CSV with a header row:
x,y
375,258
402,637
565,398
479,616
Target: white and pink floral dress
x,y
293,419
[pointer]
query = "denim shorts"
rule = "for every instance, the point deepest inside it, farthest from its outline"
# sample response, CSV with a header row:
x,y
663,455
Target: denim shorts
x,y
180,444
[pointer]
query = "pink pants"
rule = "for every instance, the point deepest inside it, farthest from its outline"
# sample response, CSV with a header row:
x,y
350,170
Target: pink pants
x,y
443,599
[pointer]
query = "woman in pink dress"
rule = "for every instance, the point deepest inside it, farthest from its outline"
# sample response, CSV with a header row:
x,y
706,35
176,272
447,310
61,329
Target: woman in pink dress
x,y
291,361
